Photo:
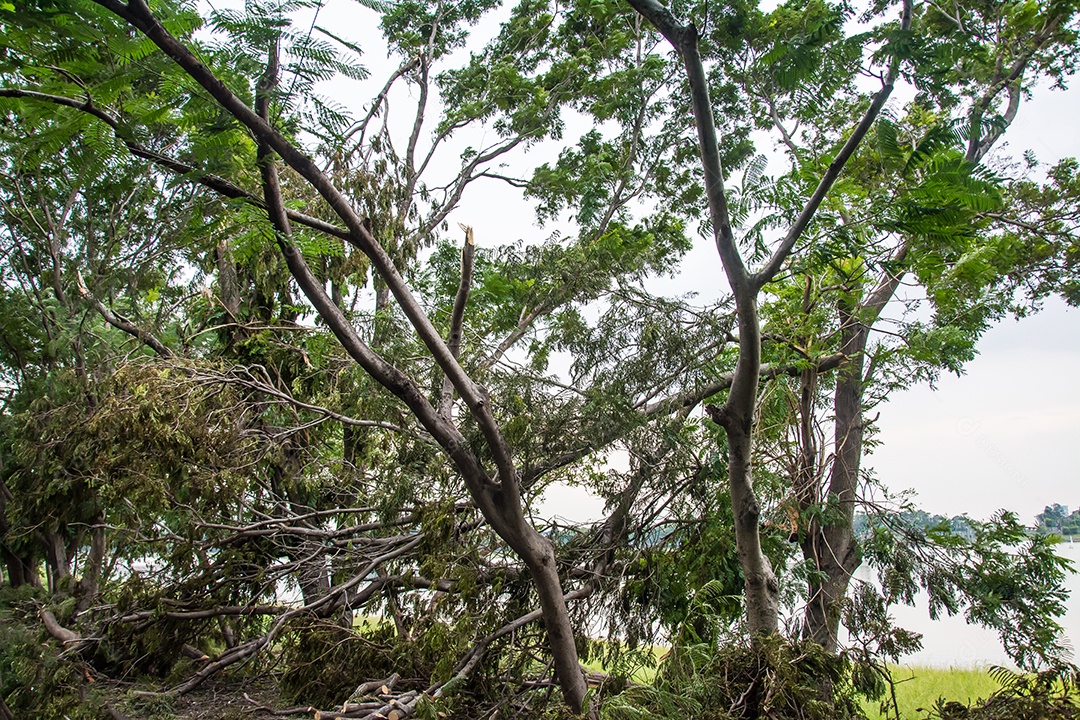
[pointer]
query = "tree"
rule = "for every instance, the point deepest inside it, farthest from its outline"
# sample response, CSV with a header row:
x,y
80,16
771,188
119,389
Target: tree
x,y
911,202
946,227
736,415
476,440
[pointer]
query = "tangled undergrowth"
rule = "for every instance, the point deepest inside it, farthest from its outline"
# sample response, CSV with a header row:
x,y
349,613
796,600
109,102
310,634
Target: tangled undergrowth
x,y
774,679
319,663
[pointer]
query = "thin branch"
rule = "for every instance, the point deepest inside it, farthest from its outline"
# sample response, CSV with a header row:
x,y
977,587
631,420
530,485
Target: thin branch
x,y
880,296
267,389
189,172
457,317
977,145
466,176
767,372
122,323
361,126
513,182
680,402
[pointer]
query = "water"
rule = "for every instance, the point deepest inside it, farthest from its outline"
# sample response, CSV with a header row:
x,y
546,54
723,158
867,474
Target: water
x,y
951,642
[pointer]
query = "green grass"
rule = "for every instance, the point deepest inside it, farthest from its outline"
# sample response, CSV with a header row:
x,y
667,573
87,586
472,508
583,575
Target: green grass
x,y
644,675
918,688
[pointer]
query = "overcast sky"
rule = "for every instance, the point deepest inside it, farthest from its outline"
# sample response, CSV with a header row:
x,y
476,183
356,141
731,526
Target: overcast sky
x,y
1004,435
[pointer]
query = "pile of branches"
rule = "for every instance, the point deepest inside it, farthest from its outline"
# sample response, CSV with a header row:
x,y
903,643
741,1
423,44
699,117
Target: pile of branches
x,y
354,611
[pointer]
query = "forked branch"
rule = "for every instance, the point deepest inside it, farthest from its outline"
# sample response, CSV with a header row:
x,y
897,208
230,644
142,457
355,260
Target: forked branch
x,y
122,323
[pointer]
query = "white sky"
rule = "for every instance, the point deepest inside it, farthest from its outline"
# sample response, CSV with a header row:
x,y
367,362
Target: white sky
x,y
1002,435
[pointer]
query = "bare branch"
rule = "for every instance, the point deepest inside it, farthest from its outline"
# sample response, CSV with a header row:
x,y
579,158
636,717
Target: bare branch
x,y
266,389
58,631
361,126
457,317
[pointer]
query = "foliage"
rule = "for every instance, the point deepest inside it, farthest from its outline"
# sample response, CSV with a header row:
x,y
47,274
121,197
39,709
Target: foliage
x,y
776,679
36,677
997,572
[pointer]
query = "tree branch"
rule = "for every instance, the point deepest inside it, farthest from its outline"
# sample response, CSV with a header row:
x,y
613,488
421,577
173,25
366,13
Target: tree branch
x,y
684,38
138,14
189,172
58,631
122,323
457,317
361,126
264,388
679,402
978,146
772,267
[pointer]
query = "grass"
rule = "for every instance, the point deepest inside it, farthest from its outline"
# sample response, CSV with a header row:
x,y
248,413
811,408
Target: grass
x,y
644,675
918,688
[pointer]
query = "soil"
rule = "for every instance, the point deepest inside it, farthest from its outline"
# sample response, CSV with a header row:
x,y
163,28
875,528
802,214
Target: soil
x,y
214,700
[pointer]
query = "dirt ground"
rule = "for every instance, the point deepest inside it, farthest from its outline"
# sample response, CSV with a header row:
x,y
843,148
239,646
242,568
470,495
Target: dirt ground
x,y
251,700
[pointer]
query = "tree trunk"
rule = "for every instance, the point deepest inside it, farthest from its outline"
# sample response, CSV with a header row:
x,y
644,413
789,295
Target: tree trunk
x,y
762,590
737,414
22,569
737,418
309,555
539,556
228,280
831,547
58,563
91,571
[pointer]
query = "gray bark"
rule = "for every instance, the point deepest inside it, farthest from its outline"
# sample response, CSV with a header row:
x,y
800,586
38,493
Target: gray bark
x,y
92,568
831,546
